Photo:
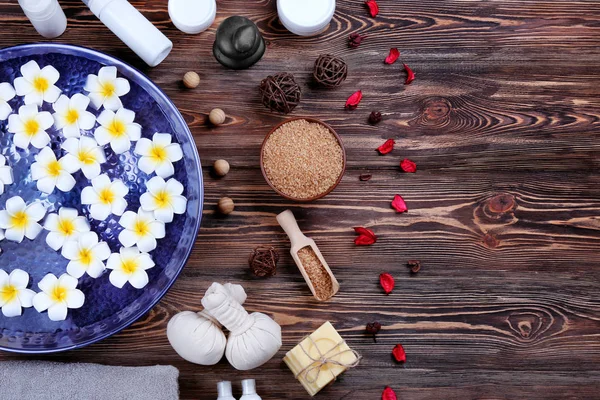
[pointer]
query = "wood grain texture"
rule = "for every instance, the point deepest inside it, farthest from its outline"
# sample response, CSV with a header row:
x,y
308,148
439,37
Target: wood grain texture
x,y
503,121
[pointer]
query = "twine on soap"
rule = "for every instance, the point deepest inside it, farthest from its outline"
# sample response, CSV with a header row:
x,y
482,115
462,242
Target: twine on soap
x,y
325,359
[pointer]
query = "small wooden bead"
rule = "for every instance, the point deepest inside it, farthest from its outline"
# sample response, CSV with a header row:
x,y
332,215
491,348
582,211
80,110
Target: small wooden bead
x,y
221,167
217,116
226,205
191,80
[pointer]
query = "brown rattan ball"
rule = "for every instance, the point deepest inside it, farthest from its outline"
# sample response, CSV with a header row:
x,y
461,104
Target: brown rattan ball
x,y
330,71
280,92
263,261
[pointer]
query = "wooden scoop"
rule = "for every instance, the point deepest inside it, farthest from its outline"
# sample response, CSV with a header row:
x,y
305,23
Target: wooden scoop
x,y
288,222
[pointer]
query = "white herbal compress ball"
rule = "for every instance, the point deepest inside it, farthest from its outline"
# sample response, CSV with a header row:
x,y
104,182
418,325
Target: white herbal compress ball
x,y
253,339
198,337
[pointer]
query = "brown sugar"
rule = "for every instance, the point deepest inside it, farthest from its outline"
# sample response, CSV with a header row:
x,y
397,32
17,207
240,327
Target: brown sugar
x,y
303,159
316,272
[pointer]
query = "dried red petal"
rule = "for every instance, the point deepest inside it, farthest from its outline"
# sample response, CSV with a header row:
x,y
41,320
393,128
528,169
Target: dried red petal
x,y
387,282
373,7
365,237
354,40
408,166
399,353
387,147
393,57
365,177
354,100
398,204
388,394
410,75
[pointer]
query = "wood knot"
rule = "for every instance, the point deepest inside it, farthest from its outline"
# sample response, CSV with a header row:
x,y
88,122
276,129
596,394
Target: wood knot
x,y
435,112
436,109
502,203
528,325
490,241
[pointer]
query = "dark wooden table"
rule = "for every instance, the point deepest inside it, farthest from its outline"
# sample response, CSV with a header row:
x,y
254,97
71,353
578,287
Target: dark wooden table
x,y
503,121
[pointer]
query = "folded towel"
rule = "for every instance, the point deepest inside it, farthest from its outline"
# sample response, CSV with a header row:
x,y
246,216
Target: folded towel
x,y
20,380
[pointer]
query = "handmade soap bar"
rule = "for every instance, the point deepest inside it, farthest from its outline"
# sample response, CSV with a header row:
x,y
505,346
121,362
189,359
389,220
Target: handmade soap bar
x,y
320,358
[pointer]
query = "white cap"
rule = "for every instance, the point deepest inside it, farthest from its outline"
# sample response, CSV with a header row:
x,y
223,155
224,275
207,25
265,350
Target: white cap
x,y
249,386
192,16
224,388
306,17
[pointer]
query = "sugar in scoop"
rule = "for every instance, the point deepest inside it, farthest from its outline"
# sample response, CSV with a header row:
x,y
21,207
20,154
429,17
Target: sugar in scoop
x,y
308,258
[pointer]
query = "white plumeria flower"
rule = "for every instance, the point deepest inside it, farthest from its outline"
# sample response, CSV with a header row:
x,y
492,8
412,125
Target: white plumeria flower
x,y
85,154
29,126
51,173
105,88
20,220
105,197
57,296
86,254
158,154
129,265
7,93
163,198
6,174
118,129
14,294
37,85
71,115
65,226
141,229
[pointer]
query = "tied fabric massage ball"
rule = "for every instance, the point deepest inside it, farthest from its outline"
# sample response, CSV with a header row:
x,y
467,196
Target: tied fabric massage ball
x,y
238,43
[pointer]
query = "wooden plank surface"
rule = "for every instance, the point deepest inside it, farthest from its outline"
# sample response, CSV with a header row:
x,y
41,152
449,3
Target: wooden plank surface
x,y
503,121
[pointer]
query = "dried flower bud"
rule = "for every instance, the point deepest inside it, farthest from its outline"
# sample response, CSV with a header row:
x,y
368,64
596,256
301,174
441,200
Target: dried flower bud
x,y
414,265
375,117
355,40
373,328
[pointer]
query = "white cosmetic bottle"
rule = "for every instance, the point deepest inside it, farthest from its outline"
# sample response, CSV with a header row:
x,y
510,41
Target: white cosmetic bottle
x,y
249,390
125,21
224,390
46,16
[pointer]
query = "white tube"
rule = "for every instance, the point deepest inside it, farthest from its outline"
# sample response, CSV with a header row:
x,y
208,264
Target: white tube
x,y
46,16
133,29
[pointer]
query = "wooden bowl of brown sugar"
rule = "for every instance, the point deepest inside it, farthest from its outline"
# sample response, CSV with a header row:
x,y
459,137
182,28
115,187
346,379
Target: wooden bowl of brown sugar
x,y
303,159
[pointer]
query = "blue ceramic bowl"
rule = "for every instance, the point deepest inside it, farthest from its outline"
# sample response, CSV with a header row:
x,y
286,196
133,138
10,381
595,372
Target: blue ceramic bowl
x,y
107,310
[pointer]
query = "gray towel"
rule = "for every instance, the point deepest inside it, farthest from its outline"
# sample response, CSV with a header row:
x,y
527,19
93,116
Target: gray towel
x,y
24,380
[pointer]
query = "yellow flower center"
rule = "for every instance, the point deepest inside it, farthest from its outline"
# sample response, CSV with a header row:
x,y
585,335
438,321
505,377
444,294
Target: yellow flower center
x,y
20,220
85,256
107,89
162,199
130,266
41,84
141,228
117,128
66,227
106,196
54,169
59,294
86,157
72,116
159,153
8,293
31,127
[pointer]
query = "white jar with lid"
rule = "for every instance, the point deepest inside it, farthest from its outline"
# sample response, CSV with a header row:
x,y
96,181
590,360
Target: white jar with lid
x,y
306,17
46,16
192,16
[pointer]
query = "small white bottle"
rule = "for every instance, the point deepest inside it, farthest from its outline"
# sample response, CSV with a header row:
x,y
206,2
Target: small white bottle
x,y
249,390
125,21
306,17
46,16
224,390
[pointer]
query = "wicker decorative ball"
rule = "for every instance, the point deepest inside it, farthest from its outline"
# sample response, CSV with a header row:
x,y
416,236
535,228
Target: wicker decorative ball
x,y
280,92
330,71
